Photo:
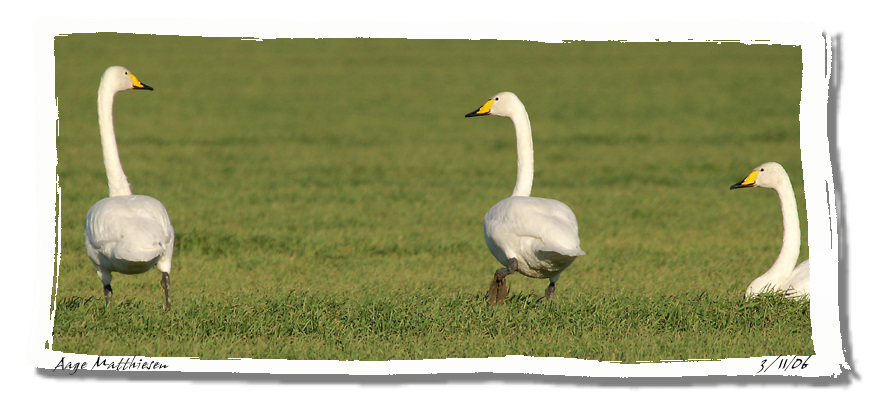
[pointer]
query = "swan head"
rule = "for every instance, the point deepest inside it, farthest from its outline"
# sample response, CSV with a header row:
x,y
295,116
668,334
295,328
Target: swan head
x,y
503,104
769,175
118,78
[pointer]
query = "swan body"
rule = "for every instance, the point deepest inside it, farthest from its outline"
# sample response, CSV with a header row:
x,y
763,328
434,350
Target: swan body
x,y
128,234
542,234
534,236
784,275
125,233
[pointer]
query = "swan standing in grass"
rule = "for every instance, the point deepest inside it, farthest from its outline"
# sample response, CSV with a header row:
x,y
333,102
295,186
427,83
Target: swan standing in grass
x,y
794,282
533,236
125,233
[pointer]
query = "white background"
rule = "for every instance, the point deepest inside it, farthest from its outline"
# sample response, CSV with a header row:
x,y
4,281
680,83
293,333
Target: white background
x,y
858,142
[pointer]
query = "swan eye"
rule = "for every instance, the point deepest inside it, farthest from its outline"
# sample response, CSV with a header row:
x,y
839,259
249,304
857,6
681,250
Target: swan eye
x,y
496,98
761,169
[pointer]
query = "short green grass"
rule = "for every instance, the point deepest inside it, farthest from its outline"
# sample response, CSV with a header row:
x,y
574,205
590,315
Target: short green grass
x,y
328,196
423,324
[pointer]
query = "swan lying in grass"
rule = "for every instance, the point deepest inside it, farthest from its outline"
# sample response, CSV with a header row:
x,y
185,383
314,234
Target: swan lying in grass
x,y
794,282
533,236
125,233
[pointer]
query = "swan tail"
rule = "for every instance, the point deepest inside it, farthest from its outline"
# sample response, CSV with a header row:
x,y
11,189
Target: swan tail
x,y
566,252
132,253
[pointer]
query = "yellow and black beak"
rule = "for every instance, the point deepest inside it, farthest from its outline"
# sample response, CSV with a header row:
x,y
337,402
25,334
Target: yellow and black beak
x,y
136,84
749,181
485,109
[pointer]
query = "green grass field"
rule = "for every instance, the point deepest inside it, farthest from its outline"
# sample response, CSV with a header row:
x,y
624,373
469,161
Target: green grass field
x,y
328,197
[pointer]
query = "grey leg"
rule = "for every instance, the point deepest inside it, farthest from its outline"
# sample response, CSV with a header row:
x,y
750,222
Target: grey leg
x,y
108,293
167,288
551,289
106,277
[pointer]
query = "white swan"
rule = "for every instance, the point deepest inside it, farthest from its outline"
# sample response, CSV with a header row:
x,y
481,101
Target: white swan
x,y
795,282
125,233
534,236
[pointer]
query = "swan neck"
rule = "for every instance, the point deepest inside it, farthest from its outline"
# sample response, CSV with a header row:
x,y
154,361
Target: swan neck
x,y
525,163
117,183
786,260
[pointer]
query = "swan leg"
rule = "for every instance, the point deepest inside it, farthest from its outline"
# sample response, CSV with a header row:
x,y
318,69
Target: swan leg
x,y
551,289
106,277
498,288
108,293
166,282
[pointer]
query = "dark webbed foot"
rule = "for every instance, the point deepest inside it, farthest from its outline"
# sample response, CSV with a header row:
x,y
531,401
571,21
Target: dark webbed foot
x,y
498,288
166,283
551,289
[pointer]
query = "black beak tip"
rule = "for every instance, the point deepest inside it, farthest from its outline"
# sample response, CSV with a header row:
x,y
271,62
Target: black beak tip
x,y
475,113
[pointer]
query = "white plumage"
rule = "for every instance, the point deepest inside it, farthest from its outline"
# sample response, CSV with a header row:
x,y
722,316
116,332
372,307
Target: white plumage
x,y
782,276
533,236
125,233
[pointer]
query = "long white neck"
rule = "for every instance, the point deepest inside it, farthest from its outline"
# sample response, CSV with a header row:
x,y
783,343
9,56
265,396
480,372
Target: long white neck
x,y
783,266
117,183
525,162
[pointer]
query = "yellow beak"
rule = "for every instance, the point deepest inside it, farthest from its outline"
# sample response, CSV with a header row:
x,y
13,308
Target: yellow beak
x,y
138,85
749,181
485,109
